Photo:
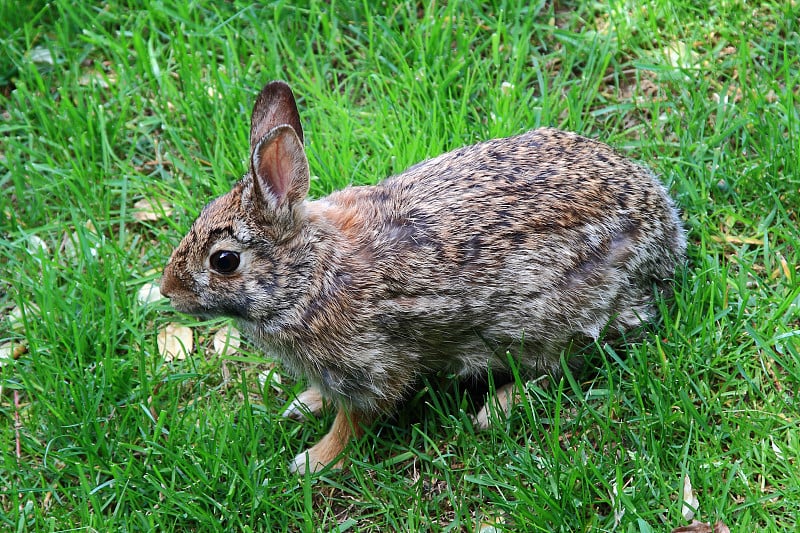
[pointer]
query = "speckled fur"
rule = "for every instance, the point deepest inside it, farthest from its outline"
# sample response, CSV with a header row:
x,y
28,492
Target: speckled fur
x,y
519,245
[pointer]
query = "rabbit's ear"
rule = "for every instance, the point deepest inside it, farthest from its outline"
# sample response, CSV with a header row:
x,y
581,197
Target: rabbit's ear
x,y
274,106
279,168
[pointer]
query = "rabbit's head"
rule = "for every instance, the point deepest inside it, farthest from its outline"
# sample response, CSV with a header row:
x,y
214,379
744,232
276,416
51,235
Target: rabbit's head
x,y
245,256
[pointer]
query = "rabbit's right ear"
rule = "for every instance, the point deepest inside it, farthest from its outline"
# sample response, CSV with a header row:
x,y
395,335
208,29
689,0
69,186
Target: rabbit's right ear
x,y
274,106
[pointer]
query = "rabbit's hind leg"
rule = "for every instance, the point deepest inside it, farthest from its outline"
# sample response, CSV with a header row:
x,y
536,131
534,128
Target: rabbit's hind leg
x,y
502,401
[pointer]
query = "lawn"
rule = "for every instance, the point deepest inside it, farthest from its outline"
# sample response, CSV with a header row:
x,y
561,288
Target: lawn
x,y
108,107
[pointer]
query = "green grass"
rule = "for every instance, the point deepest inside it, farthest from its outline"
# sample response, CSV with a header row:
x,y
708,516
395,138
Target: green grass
x,y
151,100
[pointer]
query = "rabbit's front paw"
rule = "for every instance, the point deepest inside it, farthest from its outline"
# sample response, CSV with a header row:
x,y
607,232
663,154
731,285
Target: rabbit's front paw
x,y
330,447
316,458
309,401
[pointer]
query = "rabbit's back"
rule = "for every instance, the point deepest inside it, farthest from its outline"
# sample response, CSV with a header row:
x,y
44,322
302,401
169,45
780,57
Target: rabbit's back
x,y
537,239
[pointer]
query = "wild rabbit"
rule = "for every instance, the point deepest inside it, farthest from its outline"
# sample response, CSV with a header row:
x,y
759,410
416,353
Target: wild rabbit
x,y
512,247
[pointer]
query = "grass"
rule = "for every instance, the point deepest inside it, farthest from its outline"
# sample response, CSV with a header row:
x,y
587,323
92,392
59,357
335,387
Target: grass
x,y
106,104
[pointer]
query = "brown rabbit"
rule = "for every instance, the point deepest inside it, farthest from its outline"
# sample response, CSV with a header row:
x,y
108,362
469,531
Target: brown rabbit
x,y
516,246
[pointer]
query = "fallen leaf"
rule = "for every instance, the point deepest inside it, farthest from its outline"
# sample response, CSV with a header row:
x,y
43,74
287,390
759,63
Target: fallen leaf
x,y
270,376
737,240
12,350
680,55
68,245
688,498
619,511
492,525
648,88
695,527
175,342
702,527
151,210
732,94
226,341
213,93
70,241
783,269
37,245
14,317
148,293
98,79
40,55
776,449
507,88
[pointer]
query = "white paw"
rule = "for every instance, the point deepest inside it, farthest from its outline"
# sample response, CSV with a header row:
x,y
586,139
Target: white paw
x,y
481,420
496,407
307,402
299,463
296,410
308,462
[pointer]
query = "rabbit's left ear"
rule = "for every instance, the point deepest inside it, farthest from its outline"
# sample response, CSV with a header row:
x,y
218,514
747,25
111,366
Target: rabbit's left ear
x,y
274,107
279,169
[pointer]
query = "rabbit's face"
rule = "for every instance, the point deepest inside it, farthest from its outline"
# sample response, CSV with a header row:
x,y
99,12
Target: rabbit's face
x,y
230,264
209,263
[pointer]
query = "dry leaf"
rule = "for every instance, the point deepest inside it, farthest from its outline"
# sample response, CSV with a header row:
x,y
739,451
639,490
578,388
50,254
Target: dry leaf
x,y
40,55
213,93
507,88
148,293
226,341
690,503
70,241
270,376
6,351
680,55
68,245
12,350
175,341
151,210
37,245
648,88
98,79
784,269
492,525
776,449
702,527
14,317
733,239
619,511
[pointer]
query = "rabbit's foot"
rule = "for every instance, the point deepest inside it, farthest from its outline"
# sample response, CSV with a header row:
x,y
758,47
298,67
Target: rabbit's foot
x,y
345,427
501,402
310,401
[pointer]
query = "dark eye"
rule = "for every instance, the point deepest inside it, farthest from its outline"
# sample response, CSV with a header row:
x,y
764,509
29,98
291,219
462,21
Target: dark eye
x,y
224,261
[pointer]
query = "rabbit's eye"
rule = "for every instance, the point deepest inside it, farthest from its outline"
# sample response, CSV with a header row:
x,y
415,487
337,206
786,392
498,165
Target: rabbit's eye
x,y
224,262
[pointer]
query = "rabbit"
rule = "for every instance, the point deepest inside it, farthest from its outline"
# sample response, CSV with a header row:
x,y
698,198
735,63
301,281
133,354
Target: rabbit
x,y
510,248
